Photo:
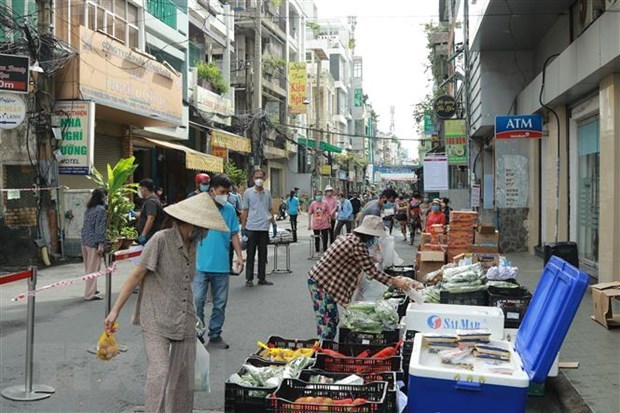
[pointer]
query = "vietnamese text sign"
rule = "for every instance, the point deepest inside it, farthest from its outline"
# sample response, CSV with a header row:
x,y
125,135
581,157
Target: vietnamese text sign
x,y
522,126
475,195
435,173
76,120
444,107
512,181
230,141
457,144
214,104
114,75
14,73
297,78
12,110
429,127
326,170
219,152
358,99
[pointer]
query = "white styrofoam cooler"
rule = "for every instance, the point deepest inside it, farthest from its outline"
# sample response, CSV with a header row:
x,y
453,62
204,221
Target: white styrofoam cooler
x,y
447,318
486,390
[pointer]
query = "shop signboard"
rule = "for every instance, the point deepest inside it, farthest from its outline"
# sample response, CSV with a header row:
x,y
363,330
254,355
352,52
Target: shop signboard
x,y
326,170
457,145
444,107
14,73
358,98
521,126
435,173
76,120
297,78
115,76
12,110
219,107
219,151
429,127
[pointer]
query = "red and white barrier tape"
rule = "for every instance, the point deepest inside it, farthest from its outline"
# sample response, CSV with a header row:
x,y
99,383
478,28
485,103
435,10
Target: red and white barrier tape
x,y
65,282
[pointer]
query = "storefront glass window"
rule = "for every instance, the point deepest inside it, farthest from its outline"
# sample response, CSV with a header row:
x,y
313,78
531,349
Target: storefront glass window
x,y
588,165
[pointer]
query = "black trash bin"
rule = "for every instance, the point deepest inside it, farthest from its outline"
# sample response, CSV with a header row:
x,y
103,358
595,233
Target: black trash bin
x,y
566,250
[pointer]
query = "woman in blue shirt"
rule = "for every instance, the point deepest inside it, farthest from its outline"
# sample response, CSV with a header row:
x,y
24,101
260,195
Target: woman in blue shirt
x,y
293,210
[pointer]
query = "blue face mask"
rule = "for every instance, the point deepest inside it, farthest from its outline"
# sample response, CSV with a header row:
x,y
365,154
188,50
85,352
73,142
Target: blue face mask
x,y
318,198
435,208
371,242
204,188
388,204
426,199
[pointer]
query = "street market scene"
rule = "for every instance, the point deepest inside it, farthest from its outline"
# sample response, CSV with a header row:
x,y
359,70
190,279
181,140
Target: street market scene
x,y
293,206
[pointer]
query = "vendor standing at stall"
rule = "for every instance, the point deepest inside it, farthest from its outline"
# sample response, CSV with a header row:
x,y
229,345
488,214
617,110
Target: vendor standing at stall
x,y
334,278
435,216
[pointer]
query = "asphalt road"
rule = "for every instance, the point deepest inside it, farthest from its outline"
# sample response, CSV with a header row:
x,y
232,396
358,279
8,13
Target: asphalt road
x,y
66,326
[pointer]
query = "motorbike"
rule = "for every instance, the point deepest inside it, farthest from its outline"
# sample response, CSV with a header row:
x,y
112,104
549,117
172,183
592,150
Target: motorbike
x,y
282,210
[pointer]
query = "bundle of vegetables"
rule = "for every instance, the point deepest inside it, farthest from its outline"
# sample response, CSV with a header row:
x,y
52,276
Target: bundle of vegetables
x,y
502,284
465,279
384,353
370,317
283,354
270,376
431,294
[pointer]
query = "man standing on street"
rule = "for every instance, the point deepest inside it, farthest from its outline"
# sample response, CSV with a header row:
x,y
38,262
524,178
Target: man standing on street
x,y
356,203
152,214
375,207
256,217
202,184
332,202
212,266
345,215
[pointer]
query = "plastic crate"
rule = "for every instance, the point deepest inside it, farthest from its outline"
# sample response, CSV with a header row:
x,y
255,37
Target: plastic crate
x,y
346,335
289,343
513,301
388,376
474,298
407,351
290,390
356,365
241,399
401,271
354,349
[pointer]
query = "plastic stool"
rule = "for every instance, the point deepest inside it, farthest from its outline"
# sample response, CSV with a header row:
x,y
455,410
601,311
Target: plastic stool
x,y
287,248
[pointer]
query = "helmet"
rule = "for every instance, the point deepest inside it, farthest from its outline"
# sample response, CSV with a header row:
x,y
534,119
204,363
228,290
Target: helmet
x,y
202,178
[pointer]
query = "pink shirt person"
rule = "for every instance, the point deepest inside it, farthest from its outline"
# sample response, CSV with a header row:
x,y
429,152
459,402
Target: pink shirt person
x,y
320,213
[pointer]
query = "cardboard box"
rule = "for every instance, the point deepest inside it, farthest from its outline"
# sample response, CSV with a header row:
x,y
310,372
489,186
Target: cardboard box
x,y
425,238
430,261
464,216
484,249
486,229
434,247
487,260
487,239
603,297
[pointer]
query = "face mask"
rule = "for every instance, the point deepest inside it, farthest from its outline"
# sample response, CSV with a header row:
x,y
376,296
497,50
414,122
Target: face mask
x,y
318,198
425,199
328,194
371,242
388,205
140,195
221,199
204,188
259,182
435,208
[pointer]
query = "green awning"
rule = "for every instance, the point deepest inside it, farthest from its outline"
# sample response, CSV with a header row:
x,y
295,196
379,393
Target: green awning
x,y
325,147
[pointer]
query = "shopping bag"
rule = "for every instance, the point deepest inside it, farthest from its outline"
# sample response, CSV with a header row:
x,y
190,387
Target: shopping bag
x,y
201,368
107,347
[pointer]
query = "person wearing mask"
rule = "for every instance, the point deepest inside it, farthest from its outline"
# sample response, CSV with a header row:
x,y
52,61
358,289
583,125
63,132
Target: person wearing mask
x,y
320,221
445,208
234,199
333,280
332,202
402,214
356,203
376,206
345,215
94,239
425,208
202,184
415,219
256,217
293,210
151,215
212,266
165,306
435,216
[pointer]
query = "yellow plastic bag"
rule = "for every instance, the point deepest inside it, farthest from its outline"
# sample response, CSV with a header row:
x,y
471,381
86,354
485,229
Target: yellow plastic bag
x,y
107,347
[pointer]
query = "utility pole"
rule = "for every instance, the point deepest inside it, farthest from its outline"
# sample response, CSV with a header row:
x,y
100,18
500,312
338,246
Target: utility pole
x,y
257,96
319,133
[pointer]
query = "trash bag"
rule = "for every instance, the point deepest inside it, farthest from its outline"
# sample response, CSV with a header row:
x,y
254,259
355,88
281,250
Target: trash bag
x,y
388,251
107,347
201,368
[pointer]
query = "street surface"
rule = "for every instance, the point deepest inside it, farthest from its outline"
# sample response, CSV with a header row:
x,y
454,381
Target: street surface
x,y
66,326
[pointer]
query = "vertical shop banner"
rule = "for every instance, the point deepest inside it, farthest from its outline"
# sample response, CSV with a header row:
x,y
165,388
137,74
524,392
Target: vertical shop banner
x,y
457,144
512,186
358,98
435,173
429,127
297,77
76,120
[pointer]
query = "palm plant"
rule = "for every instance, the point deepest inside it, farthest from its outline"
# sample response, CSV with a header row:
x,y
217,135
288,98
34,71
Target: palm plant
x,y
119,197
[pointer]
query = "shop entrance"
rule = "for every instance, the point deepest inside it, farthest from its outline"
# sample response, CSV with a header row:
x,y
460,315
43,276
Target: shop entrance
x,y
588,184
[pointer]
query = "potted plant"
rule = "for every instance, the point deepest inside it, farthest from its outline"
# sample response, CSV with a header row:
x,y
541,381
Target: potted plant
x,y
210,73
119,199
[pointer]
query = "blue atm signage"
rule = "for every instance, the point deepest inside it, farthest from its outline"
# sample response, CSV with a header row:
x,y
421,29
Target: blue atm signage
x,y
523,126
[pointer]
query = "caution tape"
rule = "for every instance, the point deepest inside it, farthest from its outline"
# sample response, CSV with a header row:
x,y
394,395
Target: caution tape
x,y
65,282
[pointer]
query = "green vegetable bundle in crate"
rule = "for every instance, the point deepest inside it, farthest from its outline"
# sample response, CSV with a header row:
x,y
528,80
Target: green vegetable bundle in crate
x,y
371,317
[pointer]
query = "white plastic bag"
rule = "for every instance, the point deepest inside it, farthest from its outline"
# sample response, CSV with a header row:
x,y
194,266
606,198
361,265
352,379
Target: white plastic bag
x,y
388,251
201,368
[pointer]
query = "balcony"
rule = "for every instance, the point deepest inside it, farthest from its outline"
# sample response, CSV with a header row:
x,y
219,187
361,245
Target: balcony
x,y
163,10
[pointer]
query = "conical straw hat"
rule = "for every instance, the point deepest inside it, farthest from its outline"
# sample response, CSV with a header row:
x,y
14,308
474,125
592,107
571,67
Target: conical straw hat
x,y
199,210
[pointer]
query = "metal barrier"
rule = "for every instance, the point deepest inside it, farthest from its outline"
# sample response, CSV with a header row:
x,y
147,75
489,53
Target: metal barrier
x,y
27,391
287,250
